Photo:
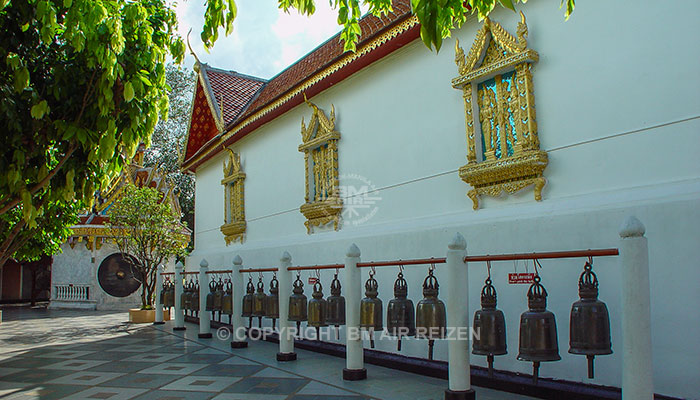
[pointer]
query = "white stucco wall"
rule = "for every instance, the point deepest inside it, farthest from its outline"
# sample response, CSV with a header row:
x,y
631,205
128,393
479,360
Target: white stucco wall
x,y
618,111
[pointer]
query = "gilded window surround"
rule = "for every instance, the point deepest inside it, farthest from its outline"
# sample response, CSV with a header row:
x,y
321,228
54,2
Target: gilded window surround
x,y
322,204
234,226
502,168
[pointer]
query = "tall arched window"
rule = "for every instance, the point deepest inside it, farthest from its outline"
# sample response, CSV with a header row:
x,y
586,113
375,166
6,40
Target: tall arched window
x,y
234,207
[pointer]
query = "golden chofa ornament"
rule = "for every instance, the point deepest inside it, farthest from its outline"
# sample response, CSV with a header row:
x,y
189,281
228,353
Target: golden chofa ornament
x,y
248,301
317,309
589,325
371,308
400,314
297,303
259,299
490,326
538,330
431,315
336,306
272,302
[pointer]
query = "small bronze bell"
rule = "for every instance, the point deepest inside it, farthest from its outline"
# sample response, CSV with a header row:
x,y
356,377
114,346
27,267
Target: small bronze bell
x,y
195,298
371,309
272,304
210,296
490,324
219,297
400,314
227,300
185,298
259,302
336,306
297,303
538,330
318,308
431,316
248,302
589,326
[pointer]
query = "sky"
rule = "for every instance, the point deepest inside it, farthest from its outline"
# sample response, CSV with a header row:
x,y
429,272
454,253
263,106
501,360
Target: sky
x,y
265,39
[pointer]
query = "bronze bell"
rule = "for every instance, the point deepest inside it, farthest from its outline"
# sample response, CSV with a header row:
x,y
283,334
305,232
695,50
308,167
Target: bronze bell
x,y
431,316
259,302
371,309
272,303
297,303
219,297
589,326
227,300
185,298
317,309
210,296
336,306
538,330
400,314
490,325
248,302
195,297
170,295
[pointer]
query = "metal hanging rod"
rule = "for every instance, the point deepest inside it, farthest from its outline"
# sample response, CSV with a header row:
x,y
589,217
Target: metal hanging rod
x,y
310,267
269,269
418,261
167,273
224,271
190,273
544,255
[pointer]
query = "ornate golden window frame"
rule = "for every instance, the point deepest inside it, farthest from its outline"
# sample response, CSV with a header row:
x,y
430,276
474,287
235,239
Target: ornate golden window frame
x,y
516,161
234,204
323,204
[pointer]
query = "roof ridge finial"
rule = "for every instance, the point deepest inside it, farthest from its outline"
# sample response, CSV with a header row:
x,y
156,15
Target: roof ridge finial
x,y
196,66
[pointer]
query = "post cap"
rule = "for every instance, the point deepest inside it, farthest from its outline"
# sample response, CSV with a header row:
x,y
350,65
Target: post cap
x,y
457,242
353,251
237,260
179,265
286,257
632,227
204,263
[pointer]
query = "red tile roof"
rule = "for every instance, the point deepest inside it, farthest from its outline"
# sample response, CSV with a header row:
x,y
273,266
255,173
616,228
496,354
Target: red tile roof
x,y
232,89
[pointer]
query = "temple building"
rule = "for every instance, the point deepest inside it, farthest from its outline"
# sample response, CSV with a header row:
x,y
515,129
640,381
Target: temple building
x,y
90,272
524,133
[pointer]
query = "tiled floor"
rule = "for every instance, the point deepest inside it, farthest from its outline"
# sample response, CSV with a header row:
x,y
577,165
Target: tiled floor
x,y
96,355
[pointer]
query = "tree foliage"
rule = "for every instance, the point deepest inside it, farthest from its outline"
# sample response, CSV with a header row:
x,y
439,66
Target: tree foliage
x,y
168,139
148,229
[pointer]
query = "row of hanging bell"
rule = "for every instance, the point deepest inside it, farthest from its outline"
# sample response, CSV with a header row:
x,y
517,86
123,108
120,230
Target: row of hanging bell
x,y
215,297
319,312
190,297
167,295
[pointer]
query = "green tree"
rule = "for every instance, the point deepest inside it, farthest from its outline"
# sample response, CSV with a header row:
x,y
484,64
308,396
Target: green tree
x,y
168,139
146,228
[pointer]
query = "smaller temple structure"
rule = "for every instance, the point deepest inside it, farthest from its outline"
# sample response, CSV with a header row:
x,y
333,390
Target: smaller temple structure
x,y
90,272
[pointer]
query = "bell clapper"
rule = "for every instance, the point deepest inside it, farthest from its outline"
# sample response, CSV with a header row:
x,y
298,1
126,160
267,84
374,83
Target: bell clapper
x,y
398,346
371,338
590,358
431,344
489,359
535,371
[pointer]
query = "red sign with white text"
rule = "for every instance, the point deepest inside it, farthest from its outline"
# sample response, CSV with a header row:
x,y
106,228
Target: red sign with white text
x,y
516,278
312,280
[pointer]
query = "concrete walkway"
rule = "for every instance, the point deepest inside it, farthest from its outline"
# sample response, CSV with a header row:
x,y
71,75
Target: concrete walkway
x,y
52,354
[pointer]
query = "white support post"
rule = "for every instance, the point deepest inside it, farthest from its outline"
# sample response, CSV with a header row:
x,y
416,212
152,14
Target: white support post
x,y
286,331
159,294
204,318
637,373
354,352
179,313
459,383
237,324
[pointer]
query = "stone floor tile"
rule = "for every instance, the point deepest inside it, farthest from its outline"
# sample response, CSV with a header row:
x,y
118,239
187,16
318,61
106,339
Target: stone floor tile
x,y
4,371
35,375
136,348
175,395
107,393
318,388
123,366
239,361
21,362
41,392
65,354
274,373
74,365
201,358
145,381
267,385
108,355
229,370
201,383
7,388
88,378
171,368
153,357
328,397
250,396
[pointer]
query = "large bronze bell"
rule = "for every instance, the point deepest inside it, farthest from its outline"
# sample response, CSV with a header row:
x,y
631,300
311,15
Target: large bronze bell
x,y
227,300
317,309
538,330
272,302
297,303
400,314
336,306
194,300
186,298
490,325
210,296
259,302
219,297
169,295
371,309
589,326
248,302
431,315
